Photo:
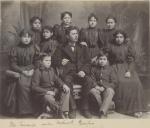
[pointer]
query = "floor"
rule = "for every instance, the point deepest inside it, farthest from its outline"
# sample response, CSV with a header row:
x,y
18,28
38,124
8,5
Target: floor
x,y
111,115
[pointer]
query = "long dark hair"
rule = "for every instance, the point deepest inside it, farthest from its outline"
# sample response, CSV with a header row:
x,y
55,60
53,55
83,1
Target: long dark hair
x,y
64,13
119,31
110,17
47,27
34,18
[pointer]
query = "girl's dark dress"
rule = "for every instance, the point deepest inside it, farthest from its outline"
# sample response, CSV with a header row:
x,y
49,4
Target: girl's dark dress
x,y
107,36
91,37
22,58
48,46
36,36
129,93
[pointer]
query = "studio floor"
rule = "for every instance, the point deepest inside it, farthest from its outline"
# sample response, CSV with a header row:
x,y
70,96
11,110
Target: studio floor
x,y
111,115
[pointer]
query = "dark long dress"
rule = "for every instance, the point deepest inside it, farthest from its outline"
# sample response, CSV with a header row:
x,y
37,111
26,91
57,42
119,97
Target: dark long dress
x,y
36,36
60,34
129,94
22,58
91,37
48,46
107,36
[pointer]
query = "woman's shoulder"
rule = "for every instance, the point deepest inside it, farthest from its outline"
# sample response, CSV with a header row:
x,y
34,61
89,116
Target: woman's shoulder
x,y
84,29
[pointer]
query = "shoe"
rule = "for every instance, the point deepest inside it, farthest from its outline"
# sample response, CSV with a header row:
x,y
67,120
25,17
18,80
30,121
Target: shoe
x,y
72,114
65,115
102,115
62,115
87,114
138,114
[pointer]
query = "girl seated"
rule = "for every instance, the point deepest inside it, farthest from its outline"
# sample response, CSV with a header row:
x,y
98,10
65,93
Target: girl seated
x,y
22,60
129,93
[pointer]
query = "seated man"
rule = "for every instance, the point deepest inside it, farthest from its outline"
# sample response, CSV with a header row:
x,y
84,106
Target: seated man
x,y
74,61
104,83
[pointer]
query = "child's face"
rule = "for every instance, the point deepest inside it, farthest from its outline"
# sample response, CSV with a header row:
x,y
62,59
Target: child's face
x,y
47,34
73,35
46,61
111,23
102,61
26,39
66,19
36,24
92,22
119,38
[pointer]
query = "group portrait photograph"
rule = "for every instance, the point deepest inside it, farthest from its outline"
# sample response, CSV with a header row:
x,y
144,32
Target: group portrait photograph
x,y
74,59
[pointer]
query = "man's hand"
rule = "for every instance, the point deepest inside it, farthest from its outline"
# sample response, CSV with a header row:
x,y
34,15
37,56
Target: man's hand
x,y
101,89
25,73
31,72
52,93
81,74
97,88
84,43
66,89
94,59
64,61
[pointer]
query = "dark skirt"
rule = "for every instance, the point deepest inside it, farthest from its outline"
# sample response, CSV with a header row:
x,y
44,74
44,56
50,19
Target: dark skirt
x,y
129,96
24,95
18,99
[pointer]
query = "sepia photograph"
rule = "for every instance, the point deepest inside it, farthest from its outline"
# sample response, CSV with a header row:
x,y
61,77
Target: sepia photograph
x,y
74,60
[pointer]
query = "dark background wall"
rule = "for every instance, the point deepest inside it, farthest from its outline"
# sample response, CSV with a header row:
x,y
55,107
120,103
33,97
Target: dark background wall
x,y
133,17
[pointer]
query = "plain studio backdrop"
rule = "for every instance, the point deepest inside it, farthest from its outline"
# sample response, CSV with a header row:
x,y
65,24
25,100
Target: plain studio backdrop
x,y
133,17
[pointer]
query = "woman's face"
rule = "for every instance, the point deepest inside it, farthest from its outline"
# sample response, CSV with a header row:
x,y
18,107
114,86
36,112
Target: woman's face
x,y
37,24
92,22
67,19
26,39
119,38
47,34
111,23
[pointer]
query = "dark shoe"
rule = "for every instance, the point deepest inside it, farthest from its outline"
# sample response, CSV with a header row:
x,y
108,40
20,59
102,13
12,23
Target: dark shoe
x,y
64,115
87,114
102,115
72,114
